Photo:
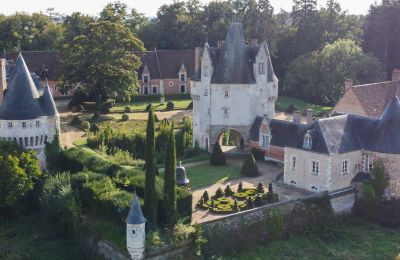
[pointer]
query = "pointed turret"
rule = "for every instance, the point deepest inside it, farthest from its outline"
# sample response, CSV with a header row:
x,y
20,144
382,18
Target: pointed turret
x,y
21,99
49,106
234,66
135,215
392,110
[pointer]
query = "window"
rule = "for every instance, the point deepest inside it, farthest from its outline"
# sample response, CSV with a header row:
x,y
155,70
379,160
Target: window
x,y
9,124
307,142
37,123
146,90
23,124
357,168
21,141
206,92
293,182
183,88
171,84
265,140
225,112
15,139
294,161
261,69
26,141
36,140
314,168
154,89
314,188
368,162
183,77
226,93
41,139
145,79
31,143
345,167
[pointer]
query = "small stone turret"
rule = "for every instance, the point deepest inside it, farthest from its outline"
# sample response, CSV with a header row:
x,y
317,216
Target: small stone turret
x,y
135,230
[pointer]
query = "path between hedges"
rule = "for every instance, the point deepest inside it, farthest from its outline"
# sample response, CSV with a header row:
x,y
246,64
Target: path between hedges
x,y
268,174
69,134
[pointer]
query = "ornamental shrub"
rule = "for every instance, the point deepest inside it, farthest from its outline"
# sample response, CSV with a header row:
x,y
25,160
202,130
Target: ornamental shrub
x,y
240,187
217,156
270,189
147,109
205,196
170,105
125,117
128,109
260,187
184,202
249,203
249,167
218,193
228,191
76,121
85,125
190,106
258,201
94,128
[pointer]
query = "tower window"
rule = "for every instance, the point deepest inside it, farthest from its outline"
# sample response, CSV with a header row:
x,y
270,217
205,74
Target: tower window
x,y
345,167
294,162
37,123
9,124
225,112
23,124
226,93
261,69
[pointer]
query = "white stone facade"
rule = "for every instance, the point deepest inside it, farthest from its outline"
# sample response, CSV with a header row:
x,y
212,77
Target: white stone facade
x,y
135,240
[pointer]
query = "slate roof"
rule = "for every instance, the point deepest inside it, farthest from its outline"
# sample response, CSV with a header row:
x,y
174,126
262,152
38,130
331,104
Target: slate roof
x,y
340,134
22,100
373,98
362,177
135,215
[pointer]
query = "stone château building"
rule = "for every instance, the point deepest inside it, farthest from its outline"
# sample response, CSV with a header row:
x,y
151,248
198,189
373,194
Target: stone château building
x,y
233,85
28,114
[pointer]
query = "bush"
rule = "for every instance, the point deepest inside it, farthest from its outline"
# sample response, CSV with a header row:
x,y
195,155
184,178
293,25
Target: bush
x,y
128,109
218,194
85,126
147,109
125,117
90,106
258,154
217,156
95,117
249,167
156,118
76,121
190,106
228,191
170,105
260,187
290,109
94,128
184,202
78,98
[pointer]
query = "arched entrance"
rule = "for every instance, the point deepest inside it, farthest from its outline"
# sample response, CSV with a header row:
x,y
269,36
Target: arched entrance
x,y
231,141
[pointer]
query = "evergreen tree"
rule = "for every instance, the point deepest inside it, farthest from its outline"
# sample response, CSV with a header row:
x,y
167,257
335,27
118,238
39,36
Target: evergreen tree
x,y
380,181
150,198
249,167
170,180
217,156
52,151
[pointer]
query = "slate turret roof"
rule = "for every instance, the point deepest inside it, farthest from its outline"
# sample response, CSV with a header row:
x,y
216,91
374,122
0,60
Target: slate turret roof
x,y
22,100
340,134
135,215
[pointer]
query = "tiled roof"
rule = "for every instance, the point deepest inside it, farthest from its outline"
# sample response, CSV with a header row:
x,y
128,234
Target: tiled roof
x,y
135,215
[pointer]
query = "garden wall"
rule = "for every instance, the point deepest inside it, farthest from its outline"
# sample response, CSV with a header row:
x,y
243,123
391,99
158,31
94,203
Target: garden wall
x,y
248,228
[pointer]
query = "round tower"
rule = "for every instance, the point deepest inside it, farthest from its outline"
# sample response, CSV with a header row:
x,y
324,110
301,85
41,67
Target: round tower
x,y
135,230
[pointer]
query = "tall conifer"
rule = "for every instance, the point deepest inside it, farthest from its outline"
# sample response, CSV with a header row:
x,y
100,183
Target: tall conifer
x,y
170,181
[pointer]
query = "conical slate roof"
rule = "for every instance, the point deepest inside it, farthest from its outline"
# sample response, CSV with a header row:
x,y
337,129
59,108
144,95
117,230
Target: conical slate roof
x,y
22,98
234,65
135,215
49,106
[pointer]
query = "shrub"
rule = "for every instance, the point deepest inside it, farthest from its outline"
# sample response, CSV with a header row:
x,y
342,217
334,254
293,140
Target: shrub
x,y
217,156
94,128
85,126
78,98
170,105
258,201
240,187
205,197
156,118
380,181
260,187
290,109
95,117
184,202
249,167
148,107
218,194
128,109
228,191
249,202
190,106
125,117
258,154
76,121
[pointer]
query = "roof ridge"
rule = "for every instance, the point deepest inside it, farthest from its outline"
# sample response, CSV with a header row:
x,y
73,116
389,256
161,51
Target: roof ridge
x,y
317,122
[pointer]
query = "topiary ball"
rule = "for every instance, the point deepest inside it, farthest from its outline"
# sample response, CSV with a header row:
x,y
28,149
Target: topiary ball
x,y
128,109
170,105
85,125
76,121
125,117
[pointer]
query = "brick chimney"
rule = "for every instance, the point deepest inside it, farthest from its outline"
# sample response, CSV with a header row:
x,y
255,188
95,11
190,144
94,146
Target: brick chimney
x,y
253,42
197,58
309,116
396,75
297,117
348,84
3,79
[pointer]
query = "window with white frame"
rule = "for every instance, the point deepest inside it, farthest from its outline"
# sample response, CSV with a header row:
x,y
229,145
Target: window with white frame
x,y
226,115
146,79
265,140
37,123
314,167
294,162
368,162
261,69
183,77
307,143
357,168
345,167
314,188
226,93
23,124
10,124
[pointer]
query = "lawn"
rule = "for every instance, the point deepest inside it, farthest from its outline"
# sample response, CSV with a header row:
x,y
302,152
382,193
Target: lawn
x,y
206,174
140,106
285,101
346,240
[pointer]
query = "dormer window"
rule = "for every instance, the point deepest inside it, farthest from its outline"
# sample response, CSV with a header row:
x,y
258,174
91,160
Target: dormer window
x,y
261,69
146,79
307,142
182,77
265,139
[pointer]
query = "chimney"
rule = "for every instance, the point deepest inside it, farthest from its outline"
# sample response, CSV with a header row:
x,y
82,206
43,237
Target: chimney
x,y
197,58
348,84
3,79
253,42
396,75
297,117
220,44
309,116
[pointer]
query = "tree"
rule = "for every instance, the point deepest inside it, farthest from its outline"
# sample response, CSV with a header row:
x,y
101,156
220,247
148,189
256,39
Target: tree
x,y
170,181
380,181
217,156
19,170
249,167
75,24
150,198
102,59
52,151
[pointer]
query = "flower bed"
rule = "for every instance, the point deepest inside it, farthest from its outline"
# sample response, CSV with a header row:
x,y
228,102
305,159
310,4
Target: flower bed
x,y
228,201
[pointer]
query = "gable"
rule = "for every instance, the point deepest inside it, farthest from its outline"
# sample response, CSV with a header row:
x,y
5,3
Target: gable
x,y
349,104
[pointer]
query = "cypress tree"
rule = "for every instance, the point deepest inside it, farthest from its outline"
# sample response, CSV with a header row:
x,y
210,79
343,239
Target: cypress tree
x,y
170,180
217,156
150,197
249,167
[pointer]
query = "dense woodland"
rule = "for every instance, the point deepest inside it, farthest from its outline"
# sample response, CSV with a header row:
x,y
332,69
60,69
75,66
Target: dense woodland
x,y
313,49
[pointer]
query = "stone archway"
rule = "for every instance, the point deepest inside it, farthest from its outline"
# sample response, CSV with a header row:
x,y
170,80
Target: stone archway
x,y
242,131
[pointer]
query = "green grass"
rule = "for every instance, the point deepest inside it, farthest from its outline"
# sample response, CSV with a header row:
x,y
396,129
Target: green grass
x,y
206,174
89,158
109,231
33,238
140,106
203,156
285,101
346,240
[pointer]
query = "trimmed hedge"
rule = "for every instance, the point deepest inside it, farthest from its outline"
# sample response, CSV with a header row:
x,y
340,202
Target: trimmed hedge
x,y
170,105
217,156
249,167
184,200
125,117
